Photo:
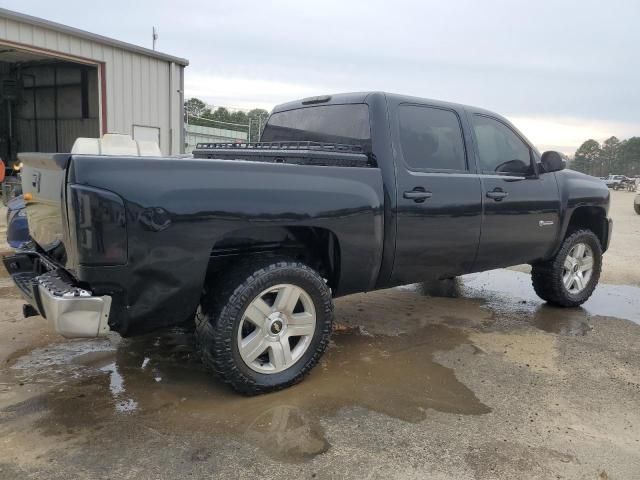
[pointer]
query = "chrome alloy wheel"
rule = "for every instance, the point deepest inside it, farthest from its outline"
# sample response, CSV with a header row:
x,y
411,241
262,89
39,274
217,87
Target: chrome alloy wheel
x,y
276,329
578,268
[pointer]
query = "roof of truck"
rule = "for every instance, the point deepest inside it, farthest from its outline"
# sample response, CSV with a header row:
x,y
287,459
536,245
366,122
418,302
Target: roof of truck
x,y
361,97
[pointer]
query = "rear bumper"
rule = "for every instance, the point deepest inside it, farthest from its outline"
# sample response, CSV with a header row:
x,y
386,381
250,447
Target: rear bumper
x,y
73,311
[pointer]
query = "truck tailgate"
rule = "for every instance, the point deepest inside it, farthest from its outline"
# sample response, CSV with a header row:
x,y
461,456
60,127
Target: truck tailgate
x,y
43,179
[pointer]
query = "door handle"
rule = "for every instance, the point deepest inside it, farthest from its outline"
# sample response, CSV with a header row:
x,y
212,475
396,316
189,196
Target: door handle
x,y
497,194
418,195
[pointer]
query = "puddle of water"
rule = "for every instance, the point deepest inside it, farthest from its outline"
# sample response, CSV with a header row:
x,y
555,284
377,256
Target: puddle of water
x,y
510,295
56,363
159,380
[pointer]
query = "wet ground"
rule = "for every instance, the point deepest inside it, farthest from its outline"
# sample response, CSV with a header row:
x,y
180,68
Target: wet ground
x,y
473,378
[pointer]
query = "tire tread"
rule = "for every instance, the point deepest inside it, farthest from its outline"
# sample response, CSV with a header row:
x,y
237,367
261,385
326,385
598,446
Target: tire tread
x,y
546,277
215,321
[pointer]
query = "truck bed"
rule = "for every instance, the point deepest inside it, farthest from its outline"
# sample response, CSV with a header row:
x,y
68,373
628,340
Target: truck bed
x,y
180,213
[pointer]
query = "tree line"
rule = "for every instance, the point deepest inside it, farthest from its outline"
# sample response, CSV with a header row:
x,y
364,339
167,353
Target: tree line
x,y
614,156
197,112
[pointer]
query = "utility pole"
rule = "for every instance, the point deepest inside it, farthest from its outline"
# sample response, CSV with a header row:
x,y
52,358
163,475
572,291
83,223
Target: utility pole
x,y
154,35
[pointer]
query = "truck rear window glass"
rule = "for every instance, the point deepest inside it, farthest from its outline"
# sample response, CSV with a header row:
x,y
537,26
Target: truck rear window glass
x,y
431,138
348,124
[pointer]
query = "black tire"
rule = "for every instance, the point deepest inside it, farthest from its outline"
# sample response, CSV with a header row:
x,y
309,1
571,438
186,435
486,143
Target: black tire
x,y
547,276
222,308
636,207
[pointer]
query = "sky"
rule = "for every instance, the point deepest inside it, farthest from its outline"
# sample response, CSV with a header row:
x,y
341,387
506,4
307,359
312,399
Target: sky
x,y
562,71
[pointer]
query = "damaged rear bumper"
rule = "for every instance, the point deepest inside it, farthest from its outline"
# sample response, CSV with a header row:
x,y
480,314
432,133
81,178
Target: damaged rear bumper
x,y
73,311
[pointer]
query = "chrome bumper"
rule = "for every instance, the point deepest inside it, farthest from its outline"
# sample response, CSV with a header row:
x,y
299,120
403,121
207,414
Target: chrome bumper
x,y
76,316
73,311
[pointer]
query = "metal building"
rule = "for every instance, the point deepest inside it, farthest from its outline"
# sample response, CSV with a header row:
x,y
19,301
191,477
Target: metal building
x,y
58,83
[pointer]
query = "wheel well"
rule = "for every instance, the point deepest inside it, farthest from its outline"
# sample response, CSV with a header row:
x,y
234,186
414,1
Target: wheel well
x,y
314,246
590,218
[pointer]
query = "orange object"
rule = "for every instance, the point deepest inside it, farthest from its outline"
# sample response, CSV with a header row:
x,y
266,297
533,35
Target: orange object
x,y
27,197
2,172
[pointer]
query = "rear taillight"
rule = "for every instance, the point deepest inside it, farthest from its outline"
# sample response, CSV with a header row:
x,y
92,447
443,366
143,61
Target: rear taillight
x,y
98,226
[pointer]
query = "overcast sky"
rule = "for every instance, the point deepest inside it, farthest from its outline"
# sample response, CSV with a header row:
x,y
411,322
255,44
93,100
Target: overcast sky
x,y
562,71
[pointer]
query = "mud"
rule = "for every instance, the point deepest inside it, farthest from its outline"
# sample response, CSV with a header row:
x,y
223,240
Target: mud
x,y
160,379
390,369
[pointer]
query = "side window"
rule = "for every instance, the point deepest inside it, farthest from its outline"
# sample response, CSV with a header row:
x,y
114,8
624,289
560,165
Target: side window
x,y
431,138
500,149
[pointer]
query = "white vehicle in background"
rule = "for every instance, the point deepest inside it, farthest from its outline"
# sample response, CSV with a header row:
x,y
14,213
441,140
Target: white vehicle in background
x,y
616,181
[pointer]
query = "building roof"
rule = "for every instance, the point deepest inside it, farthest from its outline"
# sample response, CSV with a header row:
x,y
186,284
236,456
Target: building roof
x,y
76,32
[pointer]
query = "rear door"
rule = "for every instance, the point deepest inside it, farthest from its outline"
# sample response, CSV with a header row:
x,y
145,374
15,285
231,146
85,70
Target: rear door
x,y
438,212
521,205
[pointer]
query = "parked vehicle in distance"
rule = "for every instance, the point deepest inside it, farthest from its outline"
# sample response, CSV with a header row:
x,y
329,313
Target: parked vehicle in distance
x,y
617,182
346,193
17,226
636,203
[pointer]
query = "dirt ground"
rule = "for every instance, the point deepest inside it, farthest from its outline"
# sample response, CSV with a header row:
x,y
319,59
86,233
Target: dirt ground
x,y
472,379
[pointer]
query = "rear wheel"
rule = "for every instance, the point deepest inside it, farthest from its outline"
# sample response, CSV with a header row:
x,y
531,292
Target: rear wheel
x,y
265,325
568,279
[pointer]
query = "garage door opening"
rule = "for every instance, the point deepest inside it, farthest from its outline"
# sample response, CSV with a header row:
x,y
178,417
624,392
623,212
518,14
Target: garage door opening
x,y
45,103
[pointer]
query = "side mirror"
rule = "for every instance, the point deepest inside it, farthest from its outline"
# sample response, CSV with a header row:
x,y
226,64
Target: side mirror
x,y
552,161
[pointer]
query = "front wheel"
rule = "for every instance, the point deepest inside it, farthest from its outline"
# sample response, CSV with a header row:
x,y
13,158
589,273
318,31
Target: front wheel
x,y
569,278
265,325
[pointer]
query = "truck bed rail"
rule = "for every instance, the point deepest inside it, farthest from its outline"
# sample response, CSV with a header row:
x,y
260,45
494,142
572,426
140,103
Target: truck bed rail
x,y
290,152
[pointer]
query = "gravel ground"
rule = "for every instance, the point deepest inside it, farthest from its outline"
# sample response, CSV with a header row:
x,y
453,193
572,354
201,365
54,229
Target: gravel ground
x,y
473,379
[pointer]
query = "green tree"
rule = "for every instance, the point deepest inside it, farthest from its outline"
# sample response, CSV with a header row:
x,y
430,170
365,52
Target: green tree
x,y
194,107
629,157
588,157
610,156
221,114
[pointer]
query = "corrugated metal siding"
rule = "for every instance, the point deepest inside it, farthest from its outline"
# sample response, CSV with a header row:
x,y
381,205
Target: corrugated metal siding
x,y
140,90
68,131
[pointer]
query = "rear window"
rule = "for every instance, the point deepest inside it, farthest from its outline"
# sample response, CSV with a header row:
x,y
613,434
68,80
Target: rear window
x,y
348,124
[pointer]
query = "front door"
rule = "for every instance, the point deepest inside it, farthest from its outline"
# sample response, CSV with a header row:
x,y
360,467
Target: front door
x,y
521,206
439,198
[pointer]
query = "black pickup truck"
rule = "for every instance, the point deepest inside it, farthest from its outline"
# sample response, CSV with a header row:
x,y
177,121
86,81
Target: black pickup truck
x,y
344,193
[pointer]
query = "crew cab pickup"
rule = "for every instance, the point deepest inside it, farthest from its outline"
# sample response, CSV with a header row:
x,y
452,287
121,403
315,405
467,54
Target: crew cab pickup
x,y
345,193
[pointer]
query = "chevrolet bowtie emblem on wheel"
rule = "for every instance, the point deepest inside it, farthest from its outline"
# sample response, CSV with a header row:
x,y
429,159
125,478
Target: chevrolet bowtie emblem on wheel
x,y
276,327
